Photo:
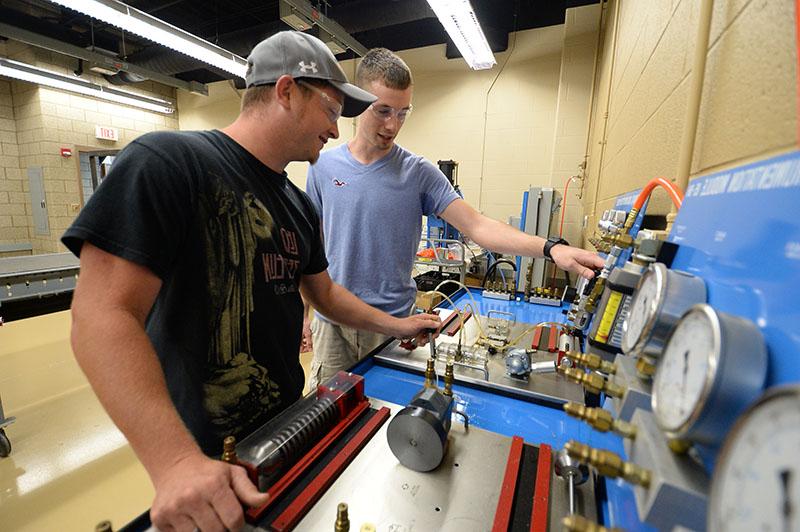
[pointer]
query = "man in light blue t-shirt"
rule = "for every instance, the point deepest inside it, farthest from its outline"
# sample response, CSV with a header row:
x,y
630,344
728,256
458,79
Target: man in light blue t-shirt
x,y
371,195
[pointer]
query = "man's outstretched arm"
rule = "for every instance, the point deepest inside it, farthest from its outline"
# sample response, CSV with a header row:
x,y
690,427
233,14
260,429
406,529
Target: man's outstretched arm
x,y
502,238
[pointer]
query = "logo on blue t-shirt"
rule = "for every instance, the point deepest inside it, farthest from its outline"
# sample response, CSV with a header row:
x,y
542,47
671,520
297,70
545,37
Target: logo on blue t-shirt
x,y
338,183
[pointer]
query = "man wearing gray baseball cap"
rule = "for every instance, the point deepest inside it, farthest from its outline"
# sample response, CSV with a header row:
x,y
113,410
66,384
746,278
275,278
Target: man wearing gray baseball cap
x,y
187,314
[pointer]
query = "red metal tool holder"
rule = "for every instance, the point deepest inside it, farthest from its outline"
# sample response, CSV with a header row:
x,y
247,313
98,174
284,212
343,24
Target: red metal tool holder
x,y
502,516
541,493
316,488
537,337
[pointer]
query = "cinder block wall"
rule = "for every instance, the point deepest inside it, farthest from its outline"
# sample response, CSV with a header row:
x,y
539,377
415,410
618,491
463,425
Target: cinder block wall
x,y
748,106
36,123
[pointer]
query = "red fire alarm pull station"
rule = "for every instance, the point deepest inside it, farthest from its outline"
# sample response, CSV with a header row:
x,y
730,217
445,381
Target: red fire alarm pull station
x,y
66,152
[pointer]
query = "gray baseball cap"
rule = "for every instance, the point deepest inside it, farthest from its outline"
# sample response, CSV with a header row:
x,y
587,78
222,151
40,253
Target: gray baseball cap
x,y
301,55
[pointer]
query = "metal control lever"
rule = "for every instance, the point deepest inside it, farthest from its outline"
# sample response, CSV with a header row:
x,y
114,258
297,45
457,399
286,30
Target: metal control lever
x,y
573,472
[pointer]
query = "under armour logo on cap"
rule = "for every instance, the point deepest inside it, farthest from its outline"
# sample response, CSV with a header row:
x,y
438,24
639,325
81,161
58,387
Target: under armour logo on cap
x,y
289,53
305,69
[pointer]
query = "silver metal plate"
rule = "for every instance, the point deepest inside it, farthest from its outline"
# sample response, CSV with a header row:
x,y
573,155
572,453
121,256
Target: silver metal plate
x,y
461,494
550,387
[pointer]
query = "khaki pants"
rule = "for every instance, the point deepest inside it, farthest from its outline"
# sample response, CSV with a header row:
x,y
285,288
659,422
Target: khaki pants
x,y
338,348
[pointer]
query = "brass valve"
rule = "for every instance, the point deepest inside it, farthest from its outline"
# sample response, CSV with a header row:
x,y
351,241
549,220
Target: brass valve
x,y
593,382
621,240
599,245
679,446
630,220
448,380
229,450
430,374
609,464
578,523
594,296
342,520
593,362
601,420
645,369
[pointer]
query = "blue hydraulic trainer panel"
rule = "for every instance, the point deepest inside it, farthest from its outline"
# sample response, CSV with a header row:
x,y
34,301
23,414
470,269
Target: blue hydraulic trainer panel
x,y
740,231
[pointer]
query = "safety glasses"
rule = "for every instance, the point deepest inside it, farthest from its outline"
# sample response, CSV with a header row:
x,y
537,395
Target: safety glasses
x,y
332,108
386,113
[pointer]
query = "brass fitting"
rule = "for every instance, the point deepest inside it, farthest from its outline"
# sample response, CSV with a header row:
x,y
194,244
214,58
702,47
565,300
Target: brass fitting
x,y
578,523
630,220
621,240
593,362
342,520
593,382
601,420
229,450
430,374
679,446
594,296
645,369
599,245
448,380
609,464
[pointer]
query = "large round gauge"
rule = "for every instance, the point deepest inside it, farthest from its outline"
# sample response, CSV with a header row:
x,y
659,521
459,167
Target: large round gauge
x,y
661,298
756,482
712,368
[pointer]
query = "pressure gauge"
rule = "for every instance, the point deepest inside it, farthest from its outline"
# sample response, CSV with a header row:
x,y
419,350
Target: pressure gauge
x,y
712,368
661,298
756,483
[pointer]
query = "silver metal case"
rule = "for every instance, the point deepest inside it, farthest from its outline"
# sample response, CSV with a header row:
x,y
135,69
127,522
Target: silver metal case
x,y
737,369
676,292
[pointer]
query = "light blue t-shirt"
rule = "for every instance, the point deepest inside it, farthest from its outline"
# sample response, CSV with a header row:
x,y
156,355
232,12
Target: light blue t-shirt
x,y
372,217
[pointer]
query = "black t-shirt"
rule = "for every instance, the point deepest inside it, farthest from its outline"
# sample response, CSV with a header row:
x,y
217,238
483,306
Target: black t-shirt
x,y
229,239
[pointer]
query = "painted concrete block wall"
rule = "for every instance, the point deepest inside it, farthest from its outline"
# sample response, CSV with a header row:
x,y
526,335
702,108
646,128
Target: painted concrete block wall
x,y
572,119
46,120
498,124
748,103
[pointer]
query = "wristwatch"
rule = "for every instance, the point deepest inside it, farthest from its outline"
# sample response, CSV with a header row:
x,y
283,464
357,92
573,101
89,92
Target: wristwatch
x,y
552,241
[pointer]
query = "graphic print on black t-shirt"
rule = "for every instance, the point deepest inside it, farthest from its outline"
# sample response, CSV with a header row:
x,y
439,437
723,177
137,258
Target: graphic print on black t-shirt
x,y
230,240
238,389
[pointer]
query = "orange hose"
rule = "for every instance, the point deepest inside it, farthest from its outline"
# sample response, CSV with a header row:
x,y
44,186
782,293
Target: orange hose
x,y
673,191
561,225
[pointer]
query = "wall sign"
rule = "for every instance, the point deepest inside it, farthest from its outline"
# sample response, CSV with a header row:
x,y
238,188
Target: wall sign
x,y
106,133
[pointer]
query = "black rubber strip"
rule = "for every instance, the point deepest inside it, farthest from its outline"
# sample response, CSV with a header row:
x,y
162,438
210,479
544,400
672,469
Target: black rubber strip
x,y
526,484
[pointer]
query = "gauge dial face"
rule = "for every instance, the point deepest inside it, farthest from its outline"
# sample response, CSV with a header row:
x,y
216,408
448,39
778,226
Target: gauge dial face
x,y
756,484
644,306
685,370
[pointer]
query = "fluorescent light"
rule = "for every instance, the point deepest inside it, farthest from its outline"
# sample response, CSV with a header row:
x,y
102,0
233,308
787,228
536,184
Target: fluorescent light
x,y
458,18
24,72
139,23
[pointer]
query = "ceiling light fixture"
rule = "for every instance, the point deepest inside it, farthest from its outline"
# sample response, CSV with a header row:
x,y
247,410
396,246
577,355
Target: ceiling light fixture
x,y
25,72
139,23
458,18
